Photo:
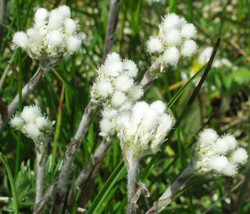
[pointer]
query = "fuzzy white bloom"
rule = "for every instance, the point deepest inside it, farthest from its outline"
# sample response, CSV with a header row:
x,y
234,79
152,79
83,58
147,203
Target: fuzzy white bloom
x,y
118,99
135,92
130,68
188,31
171,56
70,26
219,155
103,88
40,18
173,43
30,113
154,45
142,130
20,39
115,91
218,163
115,82
208,136
158,106
124,83
173,37
239,156
33,124
17,122
53,36
189,48
73,44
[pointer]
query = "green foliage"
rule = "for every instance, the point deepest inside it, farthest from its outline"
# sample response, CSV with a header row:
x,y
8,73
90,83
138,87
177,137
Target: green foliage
x,y
222,103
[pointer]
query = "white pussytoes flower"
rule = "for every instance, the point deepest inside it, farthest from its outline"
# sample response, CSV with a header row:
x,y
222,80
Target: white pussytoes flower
x,y
32,123
53,37
115,82
219,155
143,129
174,41
115,90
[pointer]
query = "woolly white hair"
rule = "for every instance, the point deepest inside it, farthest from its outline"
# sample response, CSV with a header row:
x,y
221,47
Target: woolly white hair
x,y
20,39
154,45
189,48
173,37
70,26
218,163
171,21
165,123
158,106
221,146
130,68
30,113
34,35
124,82
41,122
56,19
55,38
150,119
32,130
143,129
104,88
65,11
40,17
118,98
112,68
239,156
135,92
230,169
73,44
106,126
16,122
188,31
171,56
208,136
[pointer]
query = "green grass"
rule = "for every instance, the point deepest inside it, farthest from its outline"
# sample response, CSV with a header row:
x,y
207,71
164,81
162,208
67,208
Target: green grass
x,y
222,102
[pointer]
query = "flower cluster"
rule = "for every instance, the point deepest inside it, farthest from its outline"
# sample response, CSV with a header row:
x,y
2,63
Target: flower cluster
x,y
174,41
33,124
115,89
220,155
53,36
143,129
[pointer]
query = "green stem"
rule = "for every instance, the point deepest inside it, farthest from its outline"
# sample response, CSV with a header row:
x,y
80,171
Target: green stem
x,y
12,183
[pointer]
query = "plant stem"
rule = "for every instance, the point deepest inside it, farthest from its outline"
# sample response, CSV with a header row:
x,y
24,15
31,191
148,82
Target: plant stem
x,y
169,195
94,163
71,150
132,168
41,156
149,77
26,91
112,23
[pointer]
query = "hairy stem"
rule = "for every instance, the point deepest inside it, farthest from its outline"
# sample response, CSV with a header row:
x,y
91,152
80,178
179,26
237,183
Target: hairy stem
x,y
169,195
26,91
132,168
41,156
112,23
96,158
71,150
149,76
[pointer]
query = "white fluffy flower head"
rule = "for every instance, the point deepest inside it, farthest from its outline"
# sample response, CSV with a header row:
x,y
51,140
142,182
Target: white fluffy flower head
x,y
53,37
174,41
219,155
143,129
33,124
115,83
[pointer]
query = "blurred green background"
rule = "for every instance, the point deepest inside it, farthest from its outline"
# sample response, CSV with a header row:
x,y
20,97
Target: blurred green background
x,y
222,104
